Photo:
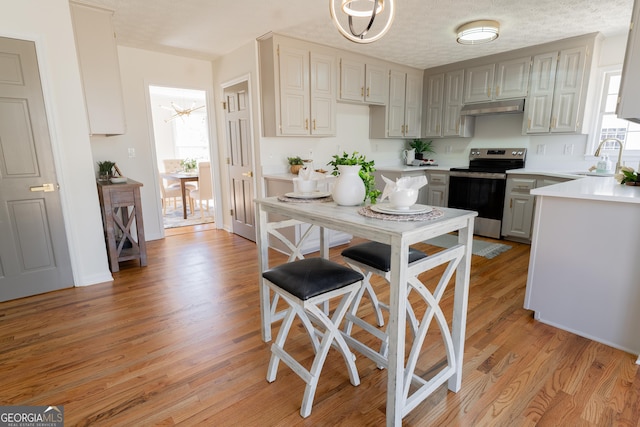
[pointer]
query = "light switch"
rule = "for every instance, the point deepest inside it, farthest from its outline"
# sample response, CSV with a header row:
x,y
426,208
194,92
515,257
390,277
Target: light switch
x,y
132,152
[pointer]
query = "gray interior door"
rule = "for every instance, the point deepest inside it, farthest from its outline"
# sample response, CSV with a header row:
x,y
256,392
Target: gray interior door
x,y
237,120
34,257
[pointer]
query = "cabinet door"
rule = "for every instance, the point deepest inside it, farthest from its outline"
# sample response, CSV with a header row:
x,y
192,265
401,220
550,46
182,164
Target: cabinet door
x,y
518,208
519,220
323,94
454,86
351,80
438,189
478,84
396,104
99,68
413,104
568,90
294,91
434,105
540,100
377,84
512,78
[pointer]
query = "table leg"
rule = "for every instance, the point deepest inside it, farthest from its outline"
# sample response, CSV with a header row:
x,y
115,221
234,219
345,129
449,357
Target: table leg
x,y
460,303
262,242
184,199
396,330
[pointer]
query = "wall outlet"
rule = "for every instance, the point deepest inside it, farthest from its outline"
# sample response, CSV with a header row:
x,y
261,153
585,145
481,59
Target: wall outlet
x,y
448,149
568,149
132,152
541,149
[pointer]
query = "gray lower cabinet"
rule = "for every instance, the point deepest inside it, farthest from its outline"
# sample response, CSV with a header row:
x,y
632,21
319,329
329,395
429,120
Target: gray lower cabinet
x,y
438,188
517,219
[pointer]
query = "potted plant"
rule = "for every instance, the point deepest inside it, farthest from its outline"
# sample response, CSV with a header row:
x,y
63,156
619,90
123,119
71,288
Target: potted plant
x,y
628,176
365,172
189,164
295,164
421,147
105,170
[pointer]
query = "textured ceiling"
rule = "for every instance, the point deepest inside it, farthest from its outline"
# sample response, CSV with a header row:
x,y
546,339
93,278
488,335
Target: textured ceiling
x,y
422,35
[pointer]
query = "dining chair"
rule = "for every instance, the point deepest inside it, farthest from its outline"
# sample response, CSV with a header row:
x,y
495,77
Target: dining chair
x,y
305,285
175,165
371,258
374,258
170,192
204,192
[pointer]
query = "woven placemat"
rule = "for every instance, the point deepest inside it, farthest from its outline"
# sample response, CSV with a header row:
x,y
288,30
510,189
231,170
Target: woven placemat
x,y
433,214
296,200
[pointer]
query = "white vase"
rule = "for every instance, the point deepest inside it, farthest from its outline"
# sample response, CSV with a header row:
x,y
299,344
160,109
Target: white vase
x,y
349,189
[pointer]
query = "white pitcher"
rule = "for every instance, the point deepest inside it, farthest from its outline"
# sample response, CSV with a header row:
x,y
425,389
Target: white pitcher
x,y
409,156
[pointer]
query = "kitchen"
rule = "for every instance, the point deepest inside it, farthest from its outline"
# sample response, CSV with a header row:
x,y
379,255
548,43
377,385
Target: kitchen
x,y
77,155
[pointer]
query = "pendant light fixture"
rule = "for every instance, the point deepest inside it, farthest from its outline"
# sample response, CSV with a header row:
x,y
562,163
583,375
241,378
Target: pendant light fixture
x,y
361,14
478,32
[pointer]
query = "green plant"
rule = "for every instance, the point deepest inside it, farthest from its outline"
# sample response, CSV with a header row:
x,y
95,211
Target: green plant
x,y
295,160
627,174
366,172
106,167
421,146
189,164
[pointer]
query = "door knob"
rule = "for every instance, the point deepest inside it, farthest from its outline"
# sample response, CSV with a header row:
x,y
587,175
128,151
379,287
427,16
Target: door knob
x,y
45,187
247,174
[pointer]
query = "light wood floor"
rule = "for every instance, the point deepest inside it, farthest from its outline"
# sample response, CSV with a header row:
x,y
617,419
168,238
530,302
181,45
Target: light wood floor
x,y
178,342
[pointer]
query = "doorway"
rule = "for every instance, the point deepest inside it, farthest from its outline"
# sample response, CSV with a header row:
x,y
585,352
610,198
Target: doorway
x,y
34,255
182,146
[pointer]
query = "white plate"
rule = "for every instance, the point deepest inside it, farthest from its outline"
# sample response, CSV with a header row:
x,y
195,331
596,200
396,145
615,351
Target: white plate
x,y
314,195
413,210
118,179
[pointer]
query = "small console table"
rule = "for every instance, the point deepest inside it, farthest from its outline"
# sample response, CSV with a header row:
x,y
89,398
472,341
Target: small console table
x,y
121,208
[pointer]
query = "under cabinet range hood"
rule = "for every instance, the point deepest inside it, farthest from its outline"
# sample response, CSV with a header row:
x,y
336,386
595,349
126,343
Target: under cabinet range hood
x,y
510,106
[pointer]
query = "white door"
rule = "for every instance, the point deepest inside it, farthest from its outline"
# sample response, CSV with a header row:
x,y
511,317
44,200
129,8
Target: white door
x,y
237,119
34,257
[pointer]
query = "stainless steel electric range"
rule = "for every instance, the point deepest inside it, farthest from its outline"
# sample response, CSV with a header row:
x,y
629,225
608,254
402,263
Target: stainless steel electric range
x,y
481,186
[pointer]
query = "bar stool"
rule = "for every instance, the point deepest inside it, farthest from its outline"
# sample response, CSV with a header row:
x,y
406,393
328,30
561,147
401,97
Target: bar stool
x,y
304,284
375,258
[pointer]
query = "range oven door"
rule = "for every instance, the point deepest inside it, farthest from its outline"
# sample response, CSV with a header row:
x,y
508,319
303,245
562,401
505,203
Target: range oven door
x,y
483,193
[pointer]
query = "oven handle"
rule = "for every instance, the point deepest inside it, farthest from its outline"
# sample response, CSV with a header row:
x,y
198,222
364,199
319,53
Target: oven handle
x,y
486,175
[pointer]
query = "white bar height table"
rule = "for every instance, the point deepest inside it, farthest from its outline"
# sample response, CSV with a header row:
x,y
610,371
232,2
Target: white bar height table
x,y
398,234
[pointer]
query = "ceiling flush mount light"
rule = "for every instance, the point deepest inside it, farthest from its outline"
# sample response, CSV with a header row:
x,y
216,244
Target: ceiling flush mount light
x,y
478,32
362,14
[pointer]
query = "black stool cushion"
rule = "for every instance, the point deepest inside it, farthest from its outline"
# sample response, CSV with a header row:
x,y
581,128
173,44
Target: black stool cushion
x,y
311,277
377,255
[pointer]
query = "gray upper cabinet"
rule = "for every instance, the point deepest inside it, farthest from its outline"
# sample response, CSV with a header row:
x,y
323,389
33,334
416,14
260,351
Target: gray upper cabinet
x,y
298,88
558,91
629,101
99,69
443,101
363,82
503,80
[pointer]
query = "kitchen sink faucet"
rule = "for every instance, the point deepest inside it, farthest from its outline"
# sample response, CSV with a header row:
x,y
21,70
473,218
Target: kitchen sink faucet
x,y
620,143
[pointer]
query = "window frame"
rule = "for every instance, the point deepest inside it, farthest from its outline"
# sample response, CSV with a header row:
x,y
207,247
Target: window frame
x,y
606,73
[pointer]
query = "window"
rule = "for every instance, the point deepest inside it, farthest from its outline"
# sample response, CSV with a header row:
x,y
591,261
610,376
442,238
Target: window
x,y
609,125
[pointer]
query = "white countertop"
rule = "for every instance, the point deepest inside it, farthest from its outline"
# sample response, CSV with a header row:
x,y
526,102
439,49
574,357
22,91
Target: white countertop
x,y
592,188
406,168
